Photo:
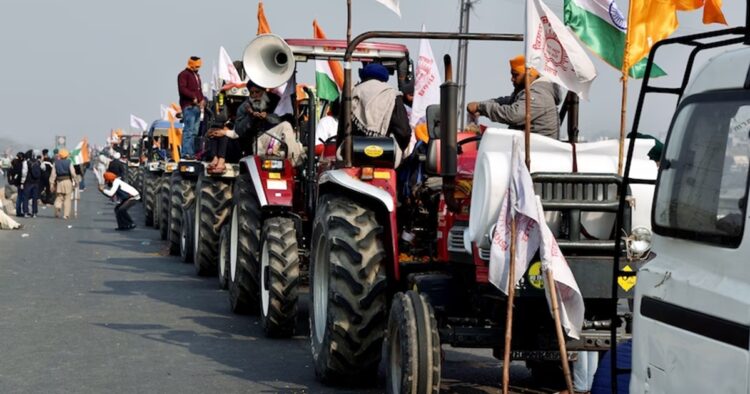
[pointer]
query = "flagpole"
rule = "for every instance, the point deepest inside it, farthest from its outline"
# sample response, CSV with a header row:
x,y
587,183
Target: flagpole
x,y
552,288
509,307
623,119
527,120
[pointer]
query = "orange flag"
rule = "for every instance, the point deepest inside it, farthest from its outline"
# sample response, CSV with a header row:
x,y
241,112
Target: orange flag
x,y
175,137
650,21
263,27
336,70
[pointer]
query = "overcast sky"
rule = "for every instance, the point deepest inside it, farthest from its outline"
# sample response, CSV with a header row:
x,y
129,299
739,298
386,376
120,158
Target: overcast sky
x,y
81,67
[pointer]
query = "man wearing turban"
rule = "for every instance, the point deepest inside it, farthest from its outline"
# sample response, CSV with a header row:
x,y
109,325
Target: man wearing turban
x,y
192,101
511,110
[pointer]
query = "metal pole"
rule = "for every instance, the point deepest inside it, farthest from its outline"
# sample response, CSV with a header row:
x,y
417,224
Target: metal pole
x,y
623,119
509,307
463,50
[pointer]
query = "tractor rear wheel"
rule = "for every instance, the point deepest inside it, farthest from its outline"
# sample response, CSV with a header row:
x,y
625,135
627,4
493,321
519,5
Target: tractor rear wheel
x,y
279,273
187,233
165,207
244,271
224,256
413,346
349,283
213,200
182,193
149,183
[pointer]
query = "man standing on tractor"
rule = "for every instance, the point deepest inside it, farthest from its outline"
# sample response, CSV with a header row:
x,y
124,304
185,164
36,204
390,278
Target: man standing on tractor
x,y
378,108
511,110
192,101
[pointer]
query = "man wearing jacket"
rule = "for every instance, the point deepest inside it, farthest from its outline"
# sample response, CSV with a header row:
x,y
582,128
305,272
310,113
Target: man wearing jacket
x,y
62,182
192,101
126,194
511,110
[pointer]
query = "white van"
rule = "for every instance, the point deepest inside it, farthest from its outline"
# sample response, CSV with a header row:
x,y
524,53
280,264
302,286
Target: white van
x,y
692,313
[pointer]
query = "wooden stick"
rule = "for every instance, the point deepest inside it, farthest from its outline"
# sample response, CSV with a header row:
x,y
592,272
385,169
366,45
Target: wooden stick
x,y
527,128
509,310
558,330
623,120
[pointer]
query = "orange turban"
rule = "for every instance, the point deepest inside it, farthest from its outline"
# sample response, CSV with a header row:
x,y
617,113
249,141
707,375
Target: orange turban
x,y
109,177
63,153
195,62
518,64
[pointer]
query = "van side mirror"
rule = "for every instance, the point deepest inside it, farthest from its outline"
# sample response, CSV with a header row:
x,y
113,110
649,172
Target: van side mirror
x,y
432,114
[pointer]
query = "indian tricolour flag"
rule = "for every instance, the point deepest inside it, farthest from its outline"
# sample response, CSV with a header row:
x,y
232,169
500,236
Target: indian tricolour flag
x,y
602,27
329,76
325,86
80,154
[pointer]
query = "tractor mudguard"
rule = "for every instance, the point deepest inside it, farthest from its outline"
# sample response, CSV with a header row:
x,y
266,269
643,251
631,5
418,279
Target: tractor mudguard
x,y
384,194
273,187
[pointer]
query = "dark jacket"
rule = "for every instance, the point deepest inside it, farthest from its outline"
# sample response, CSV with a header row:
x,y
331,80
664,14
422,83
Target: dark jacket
x,y
248,127
117,167
189,87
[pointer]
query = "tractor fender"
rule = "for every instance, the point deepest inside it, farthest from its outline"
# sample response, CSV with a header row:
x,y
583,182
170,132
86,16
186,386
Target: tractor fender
x,y
281,197
339,181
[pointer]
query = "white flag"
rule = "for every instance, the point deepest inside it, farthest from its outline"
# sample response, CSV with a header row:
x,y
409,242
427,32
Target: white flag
x,y
138,123
285,102
532,234
214,80
166,111
392,5
227,71
426,83
553,50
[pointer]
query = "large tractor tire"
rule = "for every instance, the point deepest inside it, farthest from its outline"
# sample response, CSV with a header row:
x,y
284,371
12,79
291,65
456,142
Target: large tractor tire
x,y
349,283
412,346
157,203
182,194
164,206
224,241
187,233
244,270
279,277
149,193
212,209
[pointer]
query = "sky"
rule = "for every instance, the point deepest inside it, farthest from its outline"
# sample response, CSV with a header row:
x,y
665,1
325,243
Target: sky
x,y
79,68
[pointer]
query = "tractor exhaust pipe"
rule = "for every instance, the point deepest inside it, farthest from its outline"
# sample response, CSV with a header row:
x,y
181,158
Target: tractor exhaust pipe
x,y
448,135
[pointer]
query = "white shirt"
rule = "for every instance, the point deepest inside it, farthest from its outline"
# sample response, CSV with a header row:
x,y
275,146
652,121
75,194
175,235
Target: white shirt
x,y
327,127
120,184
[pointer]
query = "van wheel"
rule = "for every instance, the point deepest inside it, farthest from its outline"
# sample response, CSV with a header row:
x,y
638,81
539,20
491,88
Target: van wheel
x,y
412,346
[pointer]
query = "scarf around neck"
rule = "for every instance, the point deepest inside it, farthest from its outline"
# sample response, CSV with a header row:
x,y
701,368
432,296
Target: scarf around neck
x,y
372,106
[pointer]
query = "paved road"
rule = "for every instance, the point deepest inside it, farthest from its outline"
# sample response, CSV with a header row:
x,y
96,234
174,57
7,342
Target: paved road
x,y
87,309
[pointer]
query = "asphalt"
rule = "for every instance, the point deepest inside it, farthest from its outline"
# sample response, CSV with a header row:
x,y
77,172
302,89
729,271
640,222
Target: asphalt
x,y
87,309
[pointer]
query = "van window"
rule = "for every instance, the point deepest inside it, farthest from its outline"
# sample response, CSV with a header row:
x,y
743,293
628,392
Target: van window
x,y
703,181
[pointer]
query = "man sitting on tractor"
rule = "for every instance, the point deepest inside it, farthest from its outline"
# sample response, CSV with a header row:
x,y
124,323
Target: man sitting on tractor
x,y
378,108
511,110
257,125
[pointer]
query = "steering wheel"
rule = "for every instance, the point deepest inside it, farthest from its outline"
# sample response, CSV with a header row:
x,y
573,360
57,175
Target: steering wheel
x,y
475,138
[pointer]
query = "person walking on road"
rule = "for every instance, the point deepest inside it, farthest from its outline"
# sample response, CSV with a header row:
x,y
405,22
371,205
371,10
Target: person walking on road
x,y
45,192
19,171
31,188
192,101
62,182
127,195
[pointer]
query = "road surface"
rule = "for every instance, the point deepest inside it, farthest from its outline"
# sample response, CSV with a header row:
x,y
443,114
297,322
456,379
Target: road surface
x,y
87,309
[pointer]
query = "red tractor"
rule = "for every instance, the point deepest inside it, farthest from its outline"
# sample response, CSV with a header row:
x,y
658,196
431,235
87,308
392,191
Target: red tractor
x,y
396,267
268,246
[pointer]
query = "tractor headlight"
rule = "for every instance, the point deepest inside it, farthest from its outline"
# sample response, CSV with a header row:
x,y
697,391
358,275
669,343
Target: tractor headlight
x,y
638,244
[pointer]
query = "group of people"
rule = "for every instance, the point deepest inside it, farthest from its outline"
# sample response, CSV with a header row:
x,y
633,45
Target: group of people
x,y
50,179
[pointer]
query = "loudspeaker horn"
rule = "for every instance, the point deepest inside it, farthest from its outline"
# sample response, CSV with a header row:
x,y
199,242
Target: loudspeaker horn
x,y
268,61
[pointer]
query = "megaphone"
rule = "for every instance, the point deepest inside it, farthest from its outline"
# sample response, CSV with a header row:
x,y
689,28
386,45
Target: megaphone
x,y
268,61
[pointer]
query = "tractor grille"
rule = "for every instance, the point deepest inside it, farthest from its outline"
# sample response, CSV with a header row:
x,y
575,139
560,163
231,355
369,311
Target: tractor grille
x,y
484,254
456,239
